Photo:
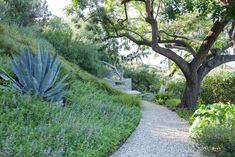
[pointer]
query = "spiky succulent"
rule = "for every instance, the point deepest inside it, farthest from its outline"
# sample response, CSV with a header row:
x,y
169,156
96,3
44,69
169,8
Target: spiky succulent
x,y
37,74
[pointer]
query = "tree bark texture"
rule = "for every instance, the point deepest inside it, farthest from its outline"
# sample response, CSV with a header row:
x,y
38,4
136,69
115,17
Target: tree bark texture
x,y
190,95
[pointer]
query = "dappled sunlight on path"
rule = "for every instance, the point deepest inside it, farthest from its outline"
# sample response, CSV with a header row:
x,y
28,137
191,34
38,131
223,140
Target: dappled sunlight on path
x,y
161,133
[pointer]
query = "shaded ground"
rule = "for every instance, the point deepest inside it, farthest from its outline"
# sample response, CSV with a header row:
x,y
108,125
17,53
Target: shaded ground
x,y
161,133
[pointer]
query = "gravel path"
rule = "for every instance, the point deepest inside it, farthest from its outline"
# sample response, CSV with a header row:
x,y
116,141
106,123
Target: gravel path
x,y
161,133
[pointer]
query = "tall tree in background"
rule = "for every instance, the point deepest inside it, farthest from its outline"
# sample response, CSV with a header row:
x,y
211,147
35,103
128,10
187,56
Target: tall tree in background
x,y
146,23
26,12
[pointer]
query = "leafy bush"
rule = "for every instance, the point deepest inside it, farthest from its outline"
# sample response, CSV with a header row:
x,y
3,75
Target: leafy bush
x,y
171,97
144,80
173,102
186,113
217,140
127,99
176,88
161,98
218,113
218,87
37,75
86,55
213,129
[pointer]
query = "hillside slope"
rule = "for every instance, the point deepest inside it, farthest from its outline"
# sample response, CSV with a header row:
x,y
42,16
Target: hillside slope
x,y
94,120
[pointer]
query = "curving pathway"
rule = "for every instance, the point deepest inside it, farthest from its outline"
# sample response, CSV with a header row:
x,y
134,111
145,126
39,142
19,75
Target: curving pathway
x,y
161,133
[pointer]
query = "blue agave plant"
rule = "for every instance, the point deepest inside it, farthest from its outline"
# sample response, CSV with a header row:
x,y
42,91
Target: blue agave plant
x,y
37,74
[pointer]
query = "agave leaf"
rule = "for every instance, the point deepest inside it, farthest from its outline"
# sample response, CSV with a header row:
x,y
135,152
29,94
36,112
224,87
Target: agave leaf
x,y
58,96
29,83
22,70
47,82
54,59
5,77
24,63
38,66
26,74
9,78
37,72
55,90
45,62
58,87
16,69
53,80
64,78
17,87
56,74
45,71
35,86
29,61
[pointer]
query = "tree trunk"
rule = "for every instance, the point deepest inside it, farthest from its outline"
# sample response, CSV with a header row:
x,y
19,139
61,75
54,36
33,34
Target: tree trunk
x,y
191,92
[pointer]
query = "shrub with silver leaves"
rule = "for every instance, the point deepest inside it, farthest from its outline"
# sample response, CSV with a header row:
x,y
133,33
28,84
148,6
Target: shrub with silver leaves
x,y
37,74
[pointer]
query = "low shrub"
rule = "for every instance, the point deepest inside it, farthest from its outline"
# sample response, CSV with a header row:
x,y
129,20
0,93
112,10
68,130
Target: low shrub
x,y
172,103
127,99
144,80
186,113
216,140
171,97
176,88
219,86
161,98
217,113
213,129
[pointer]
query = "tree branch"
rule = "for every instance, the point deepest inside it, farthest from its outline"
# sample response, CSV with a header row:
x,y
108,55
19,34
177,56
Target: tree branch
x,y
126,15
174,46
124,2
181,37
231,31
158,8
208,43
180,43
130,37
183,65
114,68
136,33
229,44
213,63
